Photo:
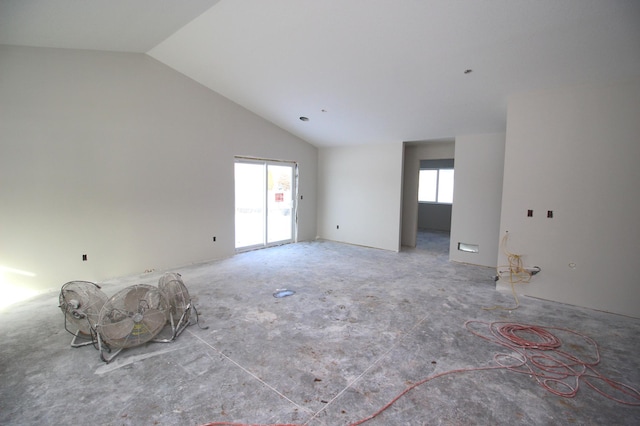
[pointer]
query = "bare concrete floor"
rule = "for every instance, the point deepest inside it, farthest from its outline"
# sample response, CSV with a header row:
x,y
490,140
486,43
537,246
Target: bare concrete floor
x,y
363,325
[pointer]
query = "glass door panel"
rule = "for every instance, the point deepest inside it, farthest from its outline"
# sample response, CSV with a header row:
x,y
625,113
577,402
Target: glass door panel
x,y
279,203
265,197
250,201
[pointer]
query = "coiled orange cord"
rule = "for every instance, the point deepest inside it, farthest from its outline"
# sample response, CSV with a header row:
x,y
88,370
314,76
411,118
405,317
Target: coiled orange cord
x,y
539,354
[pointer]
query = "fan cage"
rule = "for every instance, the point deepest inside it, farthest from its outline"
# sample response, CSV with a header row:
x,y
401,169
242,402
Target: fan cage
x,y
177,295
81,303
133,316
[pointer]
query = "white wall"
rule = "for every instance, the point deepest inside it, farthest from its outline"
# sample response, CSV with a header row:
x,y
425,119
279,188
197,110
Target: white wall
x,y
413,153
117,156
359,190
577,152
477,194
435,217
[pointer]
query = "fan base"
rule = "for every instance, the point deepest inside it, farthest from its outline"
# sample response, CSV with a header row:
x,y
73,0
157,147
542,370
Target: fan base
x,y
85,337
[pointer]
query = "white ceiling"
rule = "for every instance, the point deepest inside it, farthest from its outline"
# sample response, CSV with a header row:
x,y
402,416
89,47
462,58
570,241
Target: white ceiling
x,y
362,71
116,25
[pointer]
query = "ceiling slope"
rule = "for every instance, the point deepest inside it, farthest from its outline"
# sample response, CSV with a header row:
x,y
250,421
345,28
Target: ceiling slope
x,y
361,71
375,71
114,25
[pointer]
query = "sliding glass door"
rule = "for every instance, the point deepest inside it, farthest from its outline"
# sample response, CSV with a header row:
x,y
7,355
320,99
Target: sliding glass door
x,y
264,203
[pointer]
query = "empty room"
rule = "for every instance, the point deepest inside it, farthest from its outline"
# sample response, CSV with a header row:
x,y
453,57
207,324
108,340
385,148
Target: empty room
x,y
324,213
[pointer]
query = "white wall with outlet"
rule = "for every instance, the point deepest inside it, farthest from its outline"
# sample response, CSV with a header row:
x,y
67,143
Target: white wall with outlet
x,y
477,197
575,151
121,158
360,190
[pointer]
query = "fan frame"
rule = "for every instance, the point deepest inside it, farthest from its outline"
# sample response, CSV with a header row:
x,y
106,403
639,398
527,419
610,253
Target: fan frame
x,y
171,279
174,302
91,338
104,346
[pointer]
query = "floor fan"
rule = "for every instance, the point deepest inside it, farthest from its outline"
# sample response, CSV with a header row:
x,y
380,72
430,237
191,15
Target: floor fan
x,y
81,302
132,317
175,292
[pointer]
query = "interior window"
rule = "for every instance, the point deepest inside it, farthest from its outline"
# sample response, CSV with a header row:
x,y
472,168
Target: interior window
x,y
435,186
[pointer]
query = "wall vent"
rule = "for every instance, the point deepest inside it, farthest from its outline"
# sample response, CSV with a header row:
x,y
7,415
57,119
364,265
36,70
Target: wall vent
x,y
469,248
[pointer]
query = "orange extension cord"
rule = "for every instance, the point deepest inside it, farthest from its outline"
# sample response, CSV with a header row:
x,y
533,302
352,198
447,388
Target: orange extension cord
x,y
517,273
538,354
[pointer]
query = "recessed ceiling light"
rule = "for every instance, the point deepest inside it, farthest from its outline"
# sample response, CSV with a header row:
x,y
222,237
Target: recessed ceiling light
x,y
304,118
469,71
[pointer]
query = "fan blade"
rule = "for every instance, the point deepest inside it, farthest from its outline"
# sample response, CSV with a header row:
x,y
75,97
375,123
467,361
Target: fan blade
x,y
81,302
176,294
168,278
147,328
154,320
117,330
69,295
133,298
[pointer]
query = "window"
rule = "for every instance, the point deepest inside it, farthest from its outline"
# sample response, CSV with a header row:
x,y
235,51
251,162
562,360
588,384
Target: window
x,y
435,186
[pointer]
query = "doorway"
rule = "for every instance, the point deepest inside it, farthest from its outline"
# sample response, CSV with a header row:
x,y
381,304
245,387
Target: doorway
x,y
265,209
412,210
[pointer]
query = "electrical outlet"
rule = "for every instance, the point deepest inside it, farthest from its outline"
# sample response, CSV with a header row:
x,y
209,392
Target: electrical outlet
x,y
550,214
214,239
529,213
84,257
337,226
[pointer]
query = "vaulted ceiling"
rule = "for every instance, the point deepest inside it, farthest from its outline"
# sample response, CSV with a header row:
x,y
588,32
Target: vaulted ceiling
x,y
361,71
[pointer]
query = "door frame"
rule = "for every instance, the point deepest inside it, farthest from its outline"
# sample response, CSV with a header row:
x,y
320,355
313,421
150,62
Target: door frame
x,y
294,201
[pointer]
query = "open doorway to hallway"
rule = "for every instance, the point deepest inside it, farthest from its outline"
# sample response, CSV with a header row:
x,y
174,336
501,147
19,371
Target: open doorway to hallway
x,y
427,195
433,242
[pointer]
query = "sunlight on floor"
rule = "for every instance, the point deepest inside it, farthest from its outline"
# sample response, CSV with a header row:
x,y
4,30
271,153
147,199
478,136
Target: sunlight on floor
x,y
12,293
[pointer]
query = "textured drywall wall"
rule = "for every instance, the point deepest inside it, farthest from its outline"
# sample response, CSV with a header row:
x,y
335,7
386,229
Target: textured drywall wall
x,y
436,217
359,195
119,157
575,152
475,218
